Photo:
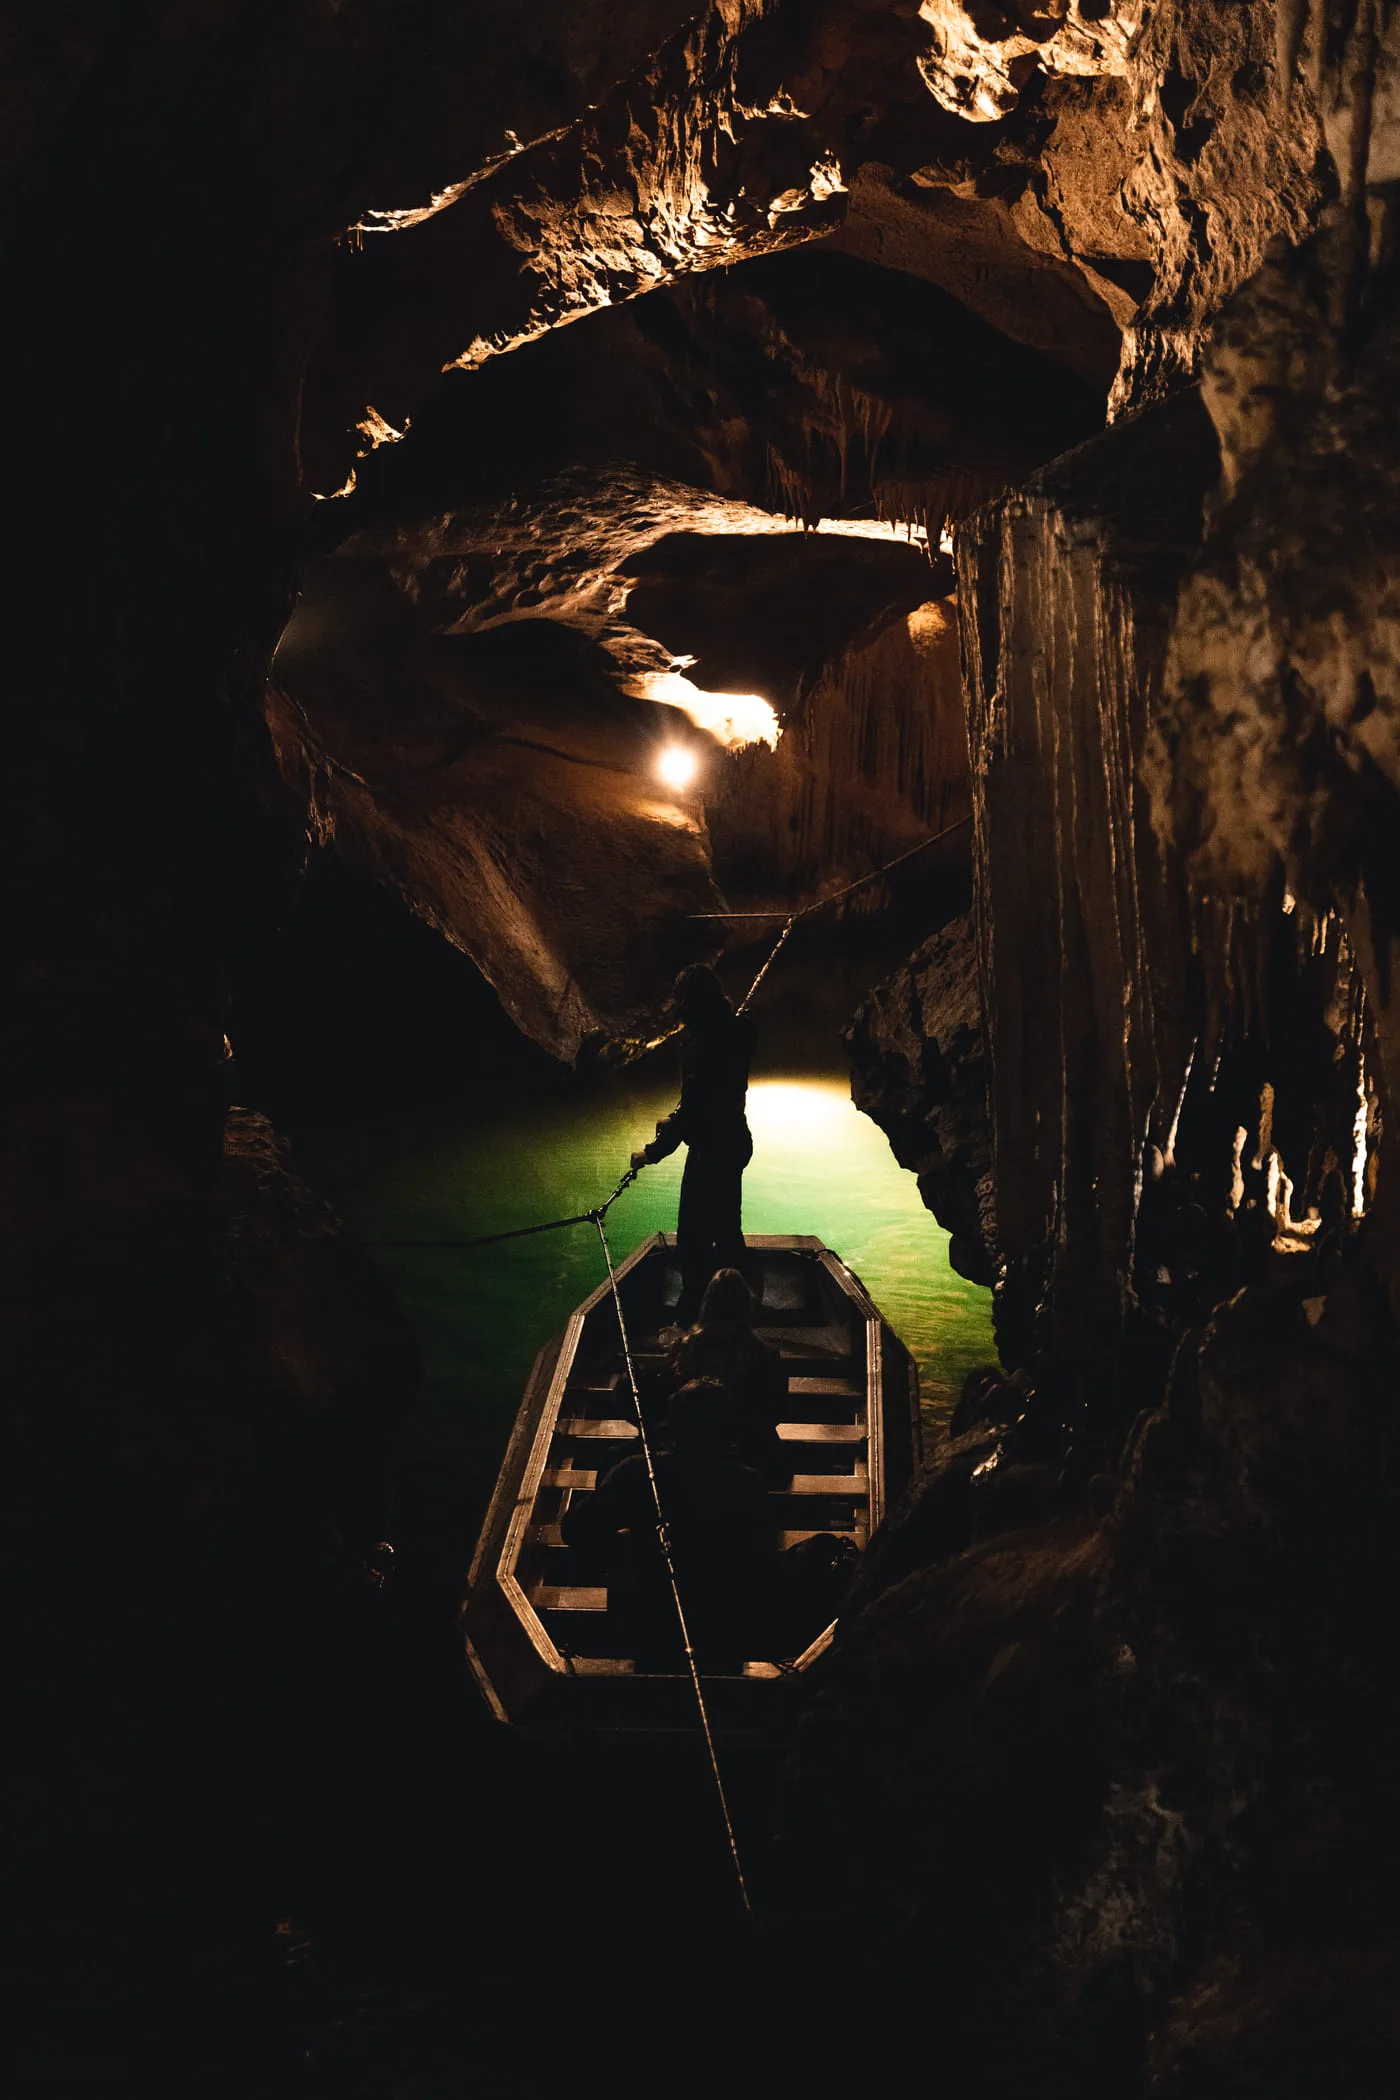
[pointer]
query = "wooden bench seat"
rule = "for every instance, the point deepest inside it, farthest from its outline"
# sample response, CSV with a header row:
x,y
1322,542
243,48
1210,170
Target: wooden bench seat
x,y
551,1596
569,1477
822,1432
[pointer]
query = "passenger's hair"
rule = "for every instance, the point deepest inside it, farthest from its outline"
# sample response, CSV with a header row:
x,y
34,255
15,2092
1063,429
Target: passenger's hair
x,y
699,995
728,1301
701,1415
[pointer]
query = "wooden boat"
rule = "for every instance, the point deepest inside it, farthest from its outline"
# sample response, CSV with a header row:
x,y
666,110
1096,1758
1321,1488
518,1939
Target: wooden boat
x,y
538,1640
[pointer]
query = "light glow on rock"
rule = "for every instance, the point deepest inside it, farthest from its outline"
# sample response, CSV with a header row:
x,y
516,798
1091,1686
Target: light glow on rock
x,y
732,719
677,766
379,431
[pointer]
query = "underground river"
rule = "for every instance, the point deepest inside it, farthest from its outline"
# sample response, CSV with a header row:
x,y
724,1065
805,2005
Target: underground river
x,y
819,1166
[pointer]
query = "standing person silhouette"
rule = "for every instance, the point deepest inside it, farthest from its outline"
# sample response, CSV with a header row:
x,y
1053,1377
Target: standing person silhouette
x,y
717,1047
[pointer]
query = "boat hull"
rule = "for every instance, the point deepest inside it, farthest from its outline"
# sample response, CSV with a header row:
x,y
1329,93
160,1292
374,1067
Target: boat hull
x,y
538,1642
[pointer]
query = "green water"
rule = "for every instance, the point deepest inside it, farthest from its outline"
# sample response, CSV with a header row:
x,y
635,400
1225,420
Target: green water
x,y
819,1166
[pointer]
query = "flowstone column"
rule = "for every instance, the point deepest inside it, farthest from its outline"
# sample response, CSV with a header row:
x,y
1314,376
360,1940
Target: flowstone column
x,y
1066,589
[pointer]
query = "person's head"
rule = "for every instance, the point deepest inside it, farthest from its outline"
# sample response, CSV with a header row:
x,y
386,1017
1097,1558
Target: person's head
x,y
699,995
727,1304
701,1417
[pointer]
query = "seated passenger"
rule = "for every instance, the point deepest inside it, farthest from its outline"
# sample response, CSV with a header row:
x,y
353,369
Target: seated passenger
x,y
722,1345
723,1546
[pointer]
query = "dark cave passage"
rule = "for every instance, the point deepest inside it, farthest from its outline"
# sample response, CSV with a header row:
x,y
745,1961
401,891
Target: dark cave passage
x,y
515,503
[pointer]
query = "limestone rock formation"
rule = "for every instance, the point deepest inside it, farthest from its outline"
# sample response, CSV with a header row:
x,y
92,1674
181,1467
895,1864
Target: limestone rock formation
x,y
697,161
632,482
1207,772
974,75
1276,748
919,1066
1066,590
871,767
465,701
1117,205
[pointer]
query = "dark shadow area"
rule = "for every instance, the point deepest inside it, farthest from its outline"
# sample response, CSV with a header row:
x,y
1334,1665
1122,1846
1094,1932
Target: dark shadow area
x,y
353,998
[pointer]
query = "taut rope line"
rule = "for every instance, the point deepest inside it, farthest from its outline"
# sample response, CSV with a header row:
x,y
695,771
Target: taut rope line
x,y
820,903
772,958
663,1538
520,1232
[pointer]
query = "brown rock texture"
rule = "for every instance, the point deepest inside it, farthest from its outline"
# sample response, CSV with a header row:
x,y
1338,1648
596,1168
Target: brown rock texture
x,y
1275,749
1066,591
919,1068
463,703
697,161
1123,200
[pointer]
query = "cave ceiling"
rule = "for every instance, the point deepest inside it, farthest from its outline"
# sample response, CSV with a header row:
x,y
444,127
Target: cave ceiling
x,y
725,488
674,388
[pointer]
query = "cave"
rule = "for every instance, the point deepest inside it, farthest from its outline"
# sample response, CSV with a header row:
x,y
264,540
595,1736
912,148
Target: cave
x,y
900,504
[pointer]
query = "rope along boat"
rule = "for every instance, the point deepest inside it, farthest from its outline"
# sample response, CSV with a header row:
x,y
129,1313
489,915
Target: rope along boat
x,y
538,1639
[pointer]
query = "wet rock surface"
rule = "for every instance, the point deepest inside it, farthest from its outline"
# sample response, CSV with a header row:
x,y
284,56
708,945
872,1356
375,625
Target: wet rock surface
x,y
1221,1725
919,1068
1066,592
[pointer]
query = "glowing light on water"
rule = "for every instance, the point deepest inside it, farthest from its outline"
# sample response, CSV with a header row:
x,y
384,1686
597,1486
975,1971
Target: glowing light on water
x,y
819,1166
733,719
782,1108
677,766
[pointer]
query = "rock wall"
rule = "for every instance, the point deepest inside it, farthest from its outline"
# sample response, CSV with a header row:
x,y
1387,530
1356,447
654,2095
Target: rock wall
x,y
872,760
1194,907
1066,591
919,1068
1276,751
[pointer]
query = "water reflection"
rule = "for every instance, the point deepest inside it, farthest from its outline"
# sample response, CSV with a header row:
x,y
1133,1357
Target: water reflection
x,y
819,1166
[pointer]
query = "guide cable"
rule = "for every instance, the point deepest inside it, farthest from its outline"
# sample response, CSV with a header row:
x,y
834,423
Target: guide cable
x,y
663,1539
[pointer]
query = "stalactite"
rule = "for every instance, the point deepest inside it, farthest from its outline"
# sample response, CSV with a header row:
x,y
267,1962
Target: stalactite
x,y
877,746
1064,592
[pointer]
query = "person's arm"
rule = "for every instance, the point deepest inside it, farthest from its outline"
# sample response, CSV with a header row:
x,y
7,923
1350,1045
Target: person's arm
x,y
672,1131
669,1136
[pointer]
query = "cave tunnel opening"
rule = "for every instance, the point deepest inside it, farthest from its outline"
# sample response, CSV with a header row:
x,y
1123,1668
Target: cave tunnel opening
x,y
475,694
732,513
